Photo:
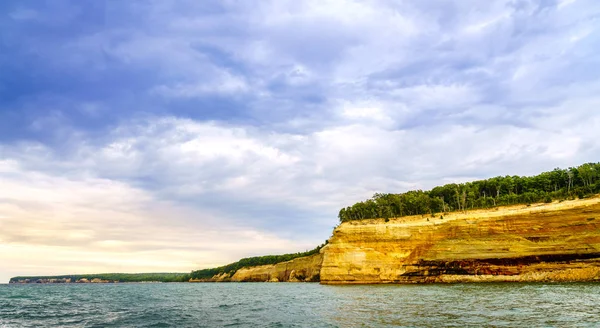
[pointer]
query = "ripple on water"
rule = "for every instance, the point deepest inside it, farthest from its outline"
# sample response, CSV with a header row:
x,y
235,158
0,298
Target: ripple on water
x,y
299,305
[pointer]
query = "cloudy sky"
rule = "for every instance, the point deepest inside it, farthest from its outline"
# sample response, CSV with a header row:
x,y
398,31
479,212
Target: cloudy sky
x,y
177,135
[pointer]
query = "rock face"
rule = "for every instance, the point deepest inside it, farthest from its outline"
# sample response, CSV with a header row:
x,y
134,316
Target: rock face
x,y
300,269
544,242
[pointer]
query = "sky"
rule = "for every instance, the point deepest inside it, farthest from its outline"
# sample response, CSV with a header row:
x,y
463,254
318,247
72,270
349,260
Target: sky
x,y
155,136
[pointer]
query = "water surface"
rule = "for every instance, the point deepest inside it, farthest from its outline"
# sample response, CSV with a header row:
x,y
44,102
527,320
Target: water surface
x,y
299,305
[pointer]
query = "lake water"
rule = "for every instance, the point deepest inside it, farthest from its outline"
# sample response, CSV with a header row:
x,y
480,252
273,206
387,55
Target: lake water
x,y
299,305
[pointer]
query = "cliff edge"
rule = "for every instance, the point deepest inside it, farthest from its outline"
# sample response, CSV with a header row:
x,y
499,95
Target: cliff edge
x,y
541,242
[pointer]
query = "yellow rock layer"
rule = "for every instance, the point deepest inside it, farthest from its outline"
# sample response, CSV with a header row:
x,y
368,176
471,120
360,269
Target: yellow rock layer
x,y
300,269
542,242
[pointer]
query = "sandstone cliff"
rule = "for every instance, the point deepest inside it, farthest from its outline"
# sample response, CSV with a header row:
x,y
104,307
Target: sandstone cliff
x,y
300,269
543,242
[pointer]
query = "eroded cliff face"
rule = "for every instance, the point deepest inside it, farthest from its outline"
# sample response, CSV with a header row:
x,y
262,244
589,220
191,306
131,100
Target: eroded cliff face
x,y
548,242
542,242
300,269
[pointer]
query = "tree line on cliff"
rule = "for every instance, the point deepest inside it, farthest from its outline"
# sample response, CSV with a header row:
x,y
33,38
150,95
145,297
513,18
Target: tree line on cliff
x,y
232,268
558,184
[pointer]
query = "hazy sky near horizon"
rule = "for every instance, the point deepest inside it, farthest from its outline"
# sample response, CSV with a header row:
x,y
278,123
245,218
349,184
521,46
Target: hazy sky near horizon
x,y
177,135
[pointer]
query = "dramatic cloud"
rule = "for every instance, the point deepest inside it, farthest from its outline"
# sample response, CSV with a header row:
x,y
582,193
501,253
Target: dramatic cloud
x,y
174,135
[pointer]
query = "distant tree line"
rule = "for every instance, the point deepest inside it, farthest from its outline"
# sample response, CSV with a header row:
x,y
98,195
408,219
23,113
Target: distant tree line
x,y
116,277
559,184
232,268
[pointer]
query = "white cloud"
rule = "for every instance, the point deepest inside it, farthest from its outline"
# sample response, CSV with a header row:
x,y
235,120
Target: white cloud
x,y
368,112
438,97
564,3
219,164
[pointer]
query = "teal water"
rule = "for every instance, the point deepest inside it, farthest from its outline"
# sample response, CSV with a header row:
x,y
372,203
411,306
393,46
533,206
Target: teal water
x,y
299,305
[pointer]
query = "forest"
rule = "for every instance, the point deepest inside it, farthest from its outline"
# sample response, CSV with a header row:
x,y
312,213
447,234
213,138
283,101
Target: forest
x,y
556,185
251,261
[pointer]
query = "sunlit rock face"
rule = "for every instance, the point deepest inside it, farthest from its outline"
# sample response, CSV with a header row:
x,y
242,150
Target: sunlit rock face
x,y
297,270
541,242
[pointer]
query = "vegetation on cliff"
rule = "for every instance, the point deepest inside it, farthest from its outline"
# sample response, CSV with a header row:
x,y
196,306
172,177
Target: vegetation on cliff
x,y
559,184
232,268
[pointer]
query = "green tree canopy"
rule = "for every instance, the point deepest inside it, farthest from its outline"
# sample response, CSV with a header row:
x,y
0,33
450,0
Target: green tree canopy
x,y
557,184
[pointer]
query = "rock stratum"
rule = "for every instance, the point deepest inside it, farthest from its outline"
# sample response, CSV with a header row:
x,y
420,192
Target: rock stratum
x,y
542,242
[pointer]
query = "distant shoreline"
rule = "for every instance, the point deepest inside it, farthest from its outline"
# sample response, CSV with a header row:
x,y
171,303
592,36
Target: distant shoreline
x,y
103,278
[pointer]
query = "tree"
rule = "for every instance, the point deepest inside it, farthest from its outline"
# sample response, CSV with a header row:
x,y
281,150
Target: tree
x,y
544,187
